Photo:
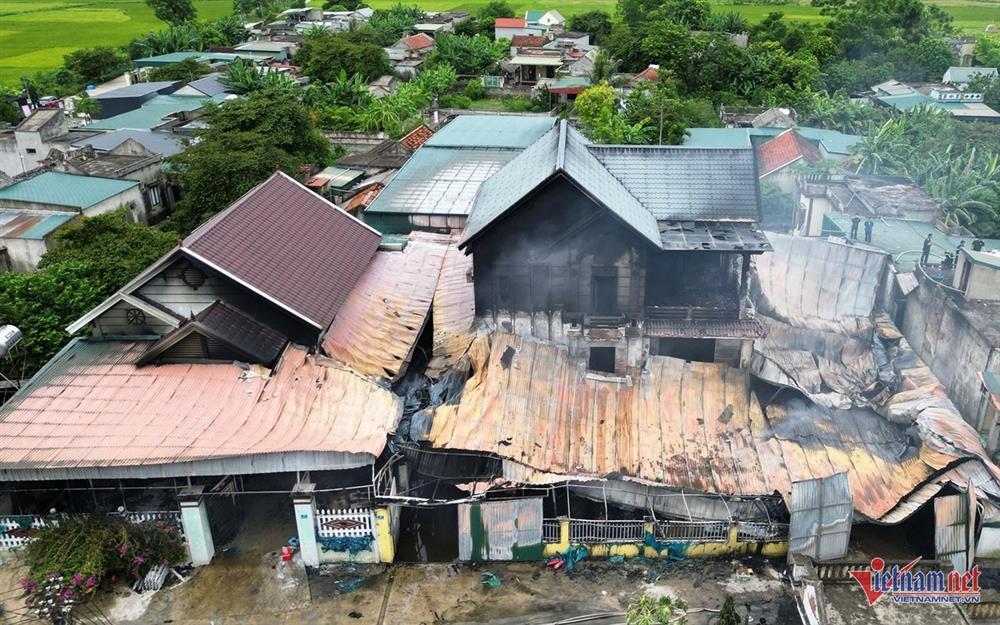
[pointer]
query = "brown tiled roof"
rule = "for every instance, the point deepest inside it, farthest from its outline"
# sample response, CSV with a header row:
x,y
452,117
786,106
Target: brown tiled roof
x,y
289,244
418,41
417,137
527,41
364,198
785,149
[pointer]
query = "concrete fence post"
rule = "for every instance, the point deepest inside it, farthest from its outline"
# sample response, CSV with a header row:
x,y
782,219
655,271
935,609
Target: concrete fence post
x,y
385,543
304,503
197,531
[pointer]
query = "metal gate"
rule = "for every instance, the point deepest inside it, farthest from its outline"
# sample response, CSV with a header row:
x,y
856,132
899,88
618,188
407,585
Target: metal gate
x,y
954,531
820,525
500,530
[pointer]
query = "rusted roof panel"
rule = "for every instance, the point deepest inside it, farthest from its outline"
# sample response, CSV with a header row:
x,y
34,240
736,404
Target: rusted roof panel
x,y
381,320
454,311
91,406
692,425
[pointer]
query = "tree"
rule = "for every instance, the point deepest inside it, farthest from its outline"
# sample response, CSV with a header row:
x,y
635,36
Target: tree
x,y
324,57
728,615
96,65
92,259
86,105
268,129
173,11
468,55
387,26
597,110
185,71
659,105
494,9
595,23
242,77
656,611
115,248
988,51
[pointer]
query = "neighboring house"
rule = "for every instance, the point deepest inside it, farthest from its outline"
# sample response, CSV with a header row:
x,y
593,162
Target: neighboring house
x,y
962,76
334,182
362,198
551,19
277,50
649,74
957,332
25,236
508,27
962,105
527,42
412,47
128,161
307,255
832,144
206,86
567,41
758,117
387,155
435,187
162,143
775,159
159,112
62,192
566,89
382,86
863,195
24,147
130,98
529,67
445,22
568,236
584,65
211,58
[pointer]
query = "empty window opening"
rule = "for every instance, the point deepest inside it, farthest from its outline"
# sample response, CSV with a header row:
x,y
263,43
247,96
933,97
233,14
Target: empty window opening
x,y
696,350
602,359
604,297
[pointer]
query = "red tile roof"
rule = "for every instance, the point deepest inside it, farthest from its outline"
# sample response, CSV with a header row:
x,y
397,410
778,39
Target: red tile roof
x,y
417,137
418,41
650,74
784,150
363,199
289,244
527,41
510,22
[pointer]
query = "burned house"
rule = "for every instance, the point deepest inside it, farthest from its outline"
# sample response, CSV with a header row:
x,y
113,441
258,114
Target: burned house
x,y
619,252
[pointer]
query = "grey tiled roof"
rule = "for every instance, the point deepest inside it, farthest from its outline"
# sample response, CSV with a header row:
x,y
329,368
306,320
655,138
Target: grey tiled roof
x,y
156,142
679,183
566,151
209,85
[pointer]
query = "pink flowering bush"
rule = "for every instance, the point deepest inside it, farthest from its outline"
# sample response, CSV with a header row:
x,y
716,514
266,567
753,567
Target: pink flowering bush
x,y
84,551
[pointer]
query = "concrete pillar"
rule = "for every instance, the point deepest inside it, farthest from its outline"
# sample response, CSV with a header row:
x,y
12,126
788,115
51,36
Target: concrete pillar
x,y
385,544
304,503
197,532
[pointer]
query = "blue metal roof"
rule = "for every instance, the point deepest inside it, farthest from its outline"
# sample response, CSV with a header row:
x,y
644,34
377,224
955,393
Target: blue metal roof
x,y
491,131
151,114
138,90
63,190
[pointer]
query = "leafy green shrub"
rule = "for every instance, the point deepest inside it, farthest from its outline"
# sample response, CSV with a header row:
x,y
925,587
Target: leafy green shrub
x,y
474,90
456,101
517,105
656,611
728,615
95,547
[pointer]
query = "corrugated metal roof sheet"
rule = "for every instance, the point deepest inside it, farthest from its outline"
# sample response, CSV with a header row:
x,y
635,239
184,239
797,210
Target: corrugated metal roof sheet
x,y
156,142
679,183
290,244
139,89
20,225
154,112
90,407
454,311
491,131
685,425
377,328
62,189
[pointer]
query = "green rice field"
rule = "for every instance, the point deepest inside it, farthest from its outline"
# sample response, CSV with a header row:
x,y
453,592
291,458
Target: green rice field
x,y
35,34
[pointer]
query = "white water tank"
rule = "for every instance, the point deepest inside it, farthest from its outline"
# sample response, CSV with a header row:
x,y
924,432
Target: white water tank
x,y
9,337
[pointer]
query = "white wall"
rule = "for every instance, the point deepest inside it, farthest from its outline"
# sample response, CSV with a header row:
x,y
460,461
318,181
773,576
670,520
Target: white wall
x,y
24,254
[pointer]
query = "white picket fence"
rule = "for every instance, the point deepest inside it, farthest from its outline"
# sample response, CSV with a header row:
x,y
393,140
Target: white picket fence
x,y
15,523
344,522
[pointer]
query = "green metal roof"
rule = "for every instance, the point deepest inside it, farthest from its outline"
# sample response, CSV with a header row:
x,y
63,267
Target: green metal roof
x,y
491,131
570,82
897,236
165,59
64,190
717,138
151,114
533,16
